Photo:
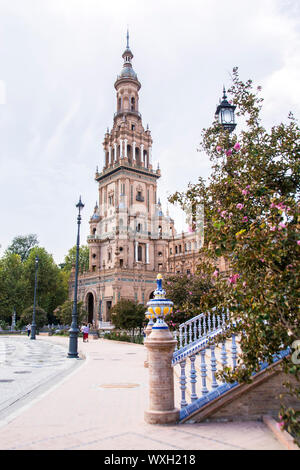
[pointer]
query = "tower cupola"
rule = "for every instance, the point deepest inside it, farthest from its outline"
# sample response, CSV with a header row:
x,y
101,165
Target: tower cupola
x,y
127,71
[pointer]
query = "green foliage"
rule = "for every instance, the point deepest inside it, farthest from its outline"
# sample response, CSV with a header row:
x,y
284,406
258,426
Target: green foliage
x,y
40,316
17,280
52,288
128,315
22,245
119,336
190,295
70,259
64,312
13,286
251,208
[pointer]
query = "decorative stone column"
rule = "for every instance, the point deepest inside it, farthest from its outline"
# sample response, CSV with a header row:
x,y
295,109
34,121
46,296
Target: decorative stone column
x,y
142,155
160,345
125,149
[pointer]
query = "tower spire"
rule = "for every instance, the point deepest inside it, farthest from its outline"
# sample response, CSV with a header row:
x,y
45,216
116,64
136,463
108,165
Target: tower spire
x,y
127,37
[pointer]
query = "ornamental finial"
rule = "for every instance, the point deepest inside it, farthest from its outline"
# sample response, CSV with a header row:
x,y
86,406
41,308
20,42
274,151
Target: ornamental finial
x,y
127,36
159,306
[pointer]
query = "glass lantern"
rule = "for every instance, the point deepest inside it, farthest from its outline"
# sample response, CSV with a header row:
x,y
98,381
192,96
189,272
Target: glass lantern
x,y
225,114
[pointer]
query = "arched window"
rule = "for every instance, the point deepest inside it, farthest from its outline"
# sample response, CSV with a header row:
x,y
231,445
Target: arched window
x,y
129,153
133,104
140,253
119,104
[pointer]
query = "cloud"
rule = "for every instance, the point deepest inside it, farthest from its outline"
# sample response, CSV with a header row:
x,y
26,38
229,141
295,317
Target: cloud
x,y
59,61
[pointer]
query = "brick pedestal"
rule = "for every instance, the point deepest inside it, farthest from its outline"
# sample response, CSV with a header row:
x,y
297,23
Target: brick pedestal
x,y
160,345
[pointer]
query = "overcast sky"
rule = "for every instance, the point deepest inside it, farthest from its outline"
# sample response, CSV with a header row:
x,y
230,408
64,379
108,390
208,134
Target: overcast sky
x,y
58,63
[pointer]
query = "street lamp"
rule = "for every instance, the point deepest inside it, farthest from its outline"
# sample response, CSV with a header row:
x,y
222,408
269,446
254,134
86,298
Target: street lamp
x,y
73,341
33,326
225,113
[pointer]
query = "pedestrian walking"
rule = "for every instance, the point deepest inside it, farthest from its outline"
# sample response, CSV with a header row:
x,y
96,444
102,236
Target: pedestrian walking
x,y
85,330
28,329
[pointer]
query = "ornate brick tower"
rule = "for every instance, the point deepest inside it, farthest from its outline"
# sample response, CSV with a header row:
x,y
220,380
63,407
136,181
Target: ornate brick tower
x,y
131,239
128,231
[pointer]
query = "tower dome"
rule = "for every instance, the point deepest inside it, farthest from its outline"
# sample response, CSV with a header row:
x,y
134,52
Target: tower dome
x,y
127,71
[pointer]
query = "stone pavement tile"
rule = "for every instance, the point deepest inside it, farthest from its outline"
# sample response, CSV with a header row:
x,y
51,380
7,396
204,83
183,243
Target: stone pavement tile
x,y
241,435
79,413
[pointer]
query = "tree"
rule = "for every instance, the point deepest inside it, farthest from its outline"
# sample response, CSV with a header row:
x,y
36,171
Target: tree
x,y
22,245
70,259
17,278
190,295
40,316
251,206
64,312
52,285
128,315
13,287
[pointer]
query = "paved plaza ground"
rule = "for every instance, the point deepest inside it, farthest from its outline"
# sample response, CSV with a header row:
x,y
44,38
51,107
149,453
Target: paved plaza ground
x,y
49,401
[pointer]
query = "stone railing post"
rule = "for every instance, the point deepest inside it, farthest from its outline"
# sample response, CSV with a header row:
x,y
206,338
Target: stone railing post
x,y
160,345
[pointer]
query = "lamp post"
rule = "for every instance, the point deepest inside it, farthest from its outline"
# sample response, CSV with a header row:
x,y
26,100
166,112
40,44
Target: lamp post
x,y
33,326
225,113
73,339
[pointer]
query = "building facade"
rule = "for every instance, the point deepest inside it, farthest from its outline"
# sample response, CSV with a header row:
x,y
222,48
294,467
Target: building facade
x,y
131,239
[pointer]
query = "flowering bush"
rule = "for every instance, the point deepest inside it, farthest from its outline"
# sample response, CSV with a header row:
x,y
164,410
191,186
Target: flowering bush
x,y
255,178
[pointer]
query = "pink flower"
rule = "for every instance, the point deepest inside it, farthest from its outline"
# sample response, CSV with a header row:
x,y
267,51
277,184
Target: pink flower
x,y
272,228
262,260
229,152
219,149
245,219
244,284
216,273
245,192
281,225
240,206
233,279
237,147
191,293
280,206
223,214
298,242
